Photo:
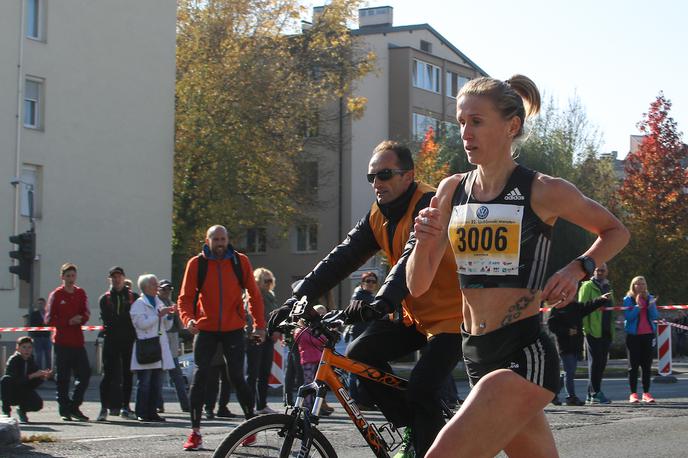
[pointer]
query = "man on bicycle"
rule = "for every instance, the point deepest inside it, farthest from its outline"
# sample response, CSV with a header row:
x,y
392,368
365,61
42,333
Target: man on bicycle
x,y
432,320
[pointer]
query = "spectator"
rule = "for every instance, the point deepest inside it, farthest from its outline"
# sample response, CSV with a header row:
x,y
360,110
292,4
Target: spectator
x,y
218,380
567,325
118,342
165,295
293,372
599,333
22,377
212,306
259,355
310,350
42,348
365,292
640,332
67,311
147,315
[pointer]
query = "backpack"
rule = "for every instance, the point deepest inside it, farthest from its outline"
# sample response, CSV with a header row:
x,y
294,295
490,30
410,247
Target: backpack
x,y
203,271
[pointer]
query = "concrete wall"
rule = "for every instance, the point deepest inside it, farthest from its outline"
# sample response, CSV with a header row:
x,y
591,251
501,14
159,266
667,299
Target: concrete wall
x,y
105,152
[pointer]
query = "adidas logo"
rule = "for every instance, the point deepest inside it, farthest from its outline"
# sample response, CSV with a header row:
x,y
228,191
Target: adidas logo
x,y
514,194
514,365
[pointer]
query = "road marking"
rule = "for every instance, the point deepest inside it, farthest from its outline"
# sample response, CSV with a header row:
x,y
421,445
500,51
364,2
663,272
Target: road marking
x,y
112,438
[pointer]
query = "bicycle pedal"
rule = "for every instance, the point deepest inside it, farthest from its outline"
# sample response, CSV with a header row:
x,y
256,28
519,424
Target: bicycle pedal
x,y
390,435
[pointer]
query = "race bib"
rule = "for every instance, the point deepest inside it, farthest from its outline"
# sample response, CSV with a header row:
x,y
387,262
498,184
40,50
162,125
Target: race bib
x,y
486,238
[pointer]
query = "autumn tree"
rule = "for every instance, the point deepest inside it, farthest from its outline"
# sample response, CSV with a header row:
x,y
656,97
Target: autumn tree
x,y
654,202
428,166
250,86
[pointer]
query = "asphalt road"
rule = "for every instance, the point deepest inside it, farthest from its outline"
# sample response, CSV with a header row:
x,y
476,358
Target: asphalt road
x,y
616,430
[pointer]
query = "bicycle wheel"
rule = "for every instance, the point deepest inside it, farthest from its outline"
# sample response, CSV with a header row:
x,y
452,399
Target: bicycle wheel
x,y
269,442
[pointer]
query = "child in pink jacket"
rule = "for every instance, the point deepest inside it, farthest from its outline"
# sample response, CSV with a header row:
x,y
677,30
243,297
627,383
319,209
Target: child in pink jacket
x,y
310,350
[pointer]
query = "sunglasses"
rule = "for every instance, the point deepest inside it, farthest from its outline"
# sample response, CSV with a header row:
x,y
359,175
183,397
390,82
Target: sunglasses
x,y
370,280
384,175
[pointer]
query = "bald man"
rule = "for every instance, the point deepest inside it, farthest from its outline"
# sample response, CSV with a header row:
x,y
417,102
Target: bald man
x,y
211,306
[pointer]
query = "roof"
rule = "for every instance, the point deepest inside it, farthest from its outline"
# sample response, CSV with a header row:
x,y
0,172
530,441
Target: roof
x,y
374,30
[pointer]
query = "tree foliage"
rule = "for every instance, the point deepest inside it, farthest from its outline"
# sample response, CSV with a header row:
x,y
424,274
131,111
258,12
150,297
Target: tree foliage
x,y
654,203
248,86
429,168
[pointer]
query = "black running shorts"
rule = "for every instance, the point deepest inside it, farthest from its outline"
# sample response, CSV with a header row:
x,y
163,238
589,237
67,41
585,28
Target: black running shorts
x,y
521,347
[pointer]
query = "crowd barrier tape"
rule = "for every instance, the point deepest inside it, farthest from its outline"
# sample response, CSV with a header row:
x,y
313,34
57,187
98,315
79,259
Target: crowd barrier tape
x,y
660,307
46,328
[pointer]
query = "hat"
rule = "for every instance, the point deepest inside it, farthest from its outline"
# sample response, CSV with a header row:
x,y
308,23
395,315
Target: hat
x,y
116,270
321,309
164,284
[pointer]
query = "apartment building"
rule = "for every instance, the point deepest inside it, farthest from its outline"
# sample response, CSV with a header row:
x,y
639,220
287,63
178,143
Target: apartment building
x,y
418,75
87,123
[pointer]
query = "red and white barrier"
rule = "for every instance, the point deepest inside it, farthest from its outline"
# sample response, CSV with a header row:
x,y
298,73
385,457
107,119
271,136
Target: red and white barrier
x,y
663,349
619,308
46,328
276,378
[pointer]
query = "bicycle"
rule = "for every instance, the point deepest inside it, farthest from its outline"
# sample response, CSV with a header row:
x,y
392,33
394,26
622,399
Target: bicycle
x,y
295,433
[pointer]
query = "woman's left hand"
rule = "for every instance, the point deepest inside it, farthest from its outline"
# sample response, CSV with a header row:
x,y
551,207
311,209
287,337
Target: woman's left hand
x,y
561,287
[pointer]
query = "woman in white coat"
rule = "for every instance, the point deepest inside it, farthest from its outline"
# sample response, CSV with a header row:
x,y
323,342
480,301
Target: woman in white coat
x,y
147,316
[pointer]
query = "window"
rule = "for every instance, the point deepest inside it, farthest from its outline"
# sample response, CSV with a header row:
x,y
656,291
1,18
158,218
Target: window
x,y
311,126
425,46
421,124
256,240
308,177
32,103
29,190
426,76
35,19
306,238
454,83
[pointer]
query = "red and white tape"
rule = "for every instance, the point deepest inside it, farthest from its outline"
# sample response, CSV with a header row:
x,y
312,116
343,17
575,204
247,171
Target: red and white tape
x,y
46,328
661,307
674,325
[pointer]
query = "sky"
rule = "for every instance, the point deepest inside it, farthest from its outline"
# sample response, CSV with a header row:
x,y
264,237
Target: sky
x,y
615,56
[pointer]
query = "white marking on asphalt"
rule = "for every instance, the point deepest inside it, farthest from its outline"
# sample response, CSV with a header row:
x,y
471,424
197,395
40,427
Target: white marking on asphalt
x,y
113,438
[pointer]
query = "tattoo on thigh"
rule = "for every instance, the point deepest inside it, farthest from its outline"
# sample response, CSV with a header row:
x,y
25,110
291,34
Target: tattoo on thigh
x,y
515,310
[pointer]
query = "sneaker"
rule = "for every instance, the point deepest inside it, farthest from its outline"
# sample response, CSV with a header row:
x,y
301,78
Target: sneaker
x,y
78,415
161,409
24,419
574,401
406,450
156,418
223,412
556,401
265,410
599,398
209,415
115,412
647,397
102,416
194,441
128,414
65,414
249,441
588,399
633,398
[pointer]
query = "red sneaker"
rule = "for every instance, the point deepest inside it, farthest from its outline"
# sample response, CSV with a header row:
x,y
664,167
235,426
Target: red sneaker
x,y
194,442
647,397
633,398
250,440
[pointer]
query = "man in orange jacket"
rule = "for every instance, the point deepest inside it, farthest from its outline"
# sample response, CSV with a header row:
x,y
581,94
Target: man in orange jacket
x,y
211,306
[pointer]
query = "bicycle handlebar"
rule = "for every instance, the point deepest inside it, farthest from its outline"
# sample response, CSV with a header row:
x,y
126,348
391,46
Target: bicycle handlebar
x,y
320,325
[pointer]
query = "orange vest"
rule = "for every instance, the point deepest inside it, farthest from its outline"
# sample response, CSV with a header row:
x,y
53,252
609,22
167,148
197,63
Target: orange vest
x,y
439,309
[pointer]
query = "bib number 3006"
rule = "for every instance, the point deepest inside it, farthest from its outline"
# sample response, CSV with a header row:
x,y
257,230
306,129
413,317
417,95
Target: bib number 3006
x,y
485,238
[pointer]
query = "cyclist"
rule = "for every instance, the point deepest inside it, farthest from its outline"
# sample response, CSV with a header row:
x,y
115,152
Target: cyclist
x,y
432,320
498,220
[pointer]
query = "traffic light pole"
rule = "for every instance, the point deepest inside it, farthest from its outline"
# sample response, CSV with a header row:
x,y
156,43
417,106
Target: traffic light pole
x,y
33,231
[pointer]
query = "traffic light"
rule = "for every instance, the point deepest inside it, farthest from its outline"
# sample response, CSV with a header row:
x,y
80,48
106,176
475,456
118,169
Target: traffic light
x,y
24,255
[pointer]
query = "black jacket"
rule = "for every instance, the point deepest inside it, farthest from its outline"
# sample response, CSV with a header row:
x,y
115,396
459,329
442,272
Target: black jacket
x,y
359,246
567,323
19,369
114,312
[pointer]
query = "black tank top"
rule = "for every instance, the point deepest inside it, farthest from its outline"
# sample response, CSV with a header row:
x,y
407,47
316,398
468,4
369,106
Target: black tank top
x,y
501,243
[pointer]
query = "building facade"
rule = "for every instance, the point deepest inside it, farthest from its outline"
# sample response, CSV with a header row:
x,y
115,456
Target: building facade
x,y
418,74
87,122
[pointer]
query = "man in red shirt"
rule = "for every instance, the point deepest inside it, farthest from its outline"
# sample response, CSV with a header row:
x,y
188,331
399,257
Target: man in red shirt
x,y
67,311
214,312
